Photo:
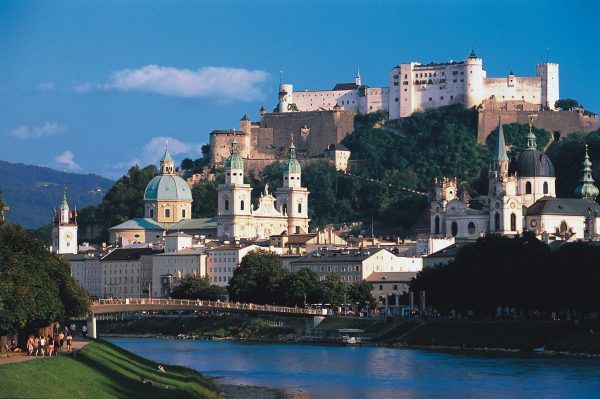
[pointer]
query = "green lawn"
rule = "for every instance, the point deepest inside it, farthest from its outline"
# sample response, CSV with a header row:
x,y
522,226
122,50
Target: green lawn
x,y
100,370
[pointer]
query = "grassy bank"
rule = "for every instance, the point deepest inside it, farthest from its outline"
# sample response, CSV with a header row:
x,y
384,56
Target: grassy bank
x,y
100,370
524,336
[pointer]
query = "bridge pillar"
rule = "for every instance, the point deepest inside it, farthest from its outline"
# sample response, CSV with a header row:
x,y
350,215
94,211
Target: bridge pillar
x,y
91,326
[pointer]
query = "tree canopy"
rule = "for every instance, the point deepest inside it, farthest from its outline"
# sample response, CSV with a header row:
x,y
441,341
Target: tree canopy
x,y
258,279
36,286
204,195
520,272
193,287
566,104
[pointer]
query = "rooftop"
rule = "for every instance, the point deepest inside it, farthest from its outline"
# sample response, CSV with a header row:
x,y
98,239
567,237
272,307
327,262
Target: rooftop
x,y
390,277
563,206
124,254
138,224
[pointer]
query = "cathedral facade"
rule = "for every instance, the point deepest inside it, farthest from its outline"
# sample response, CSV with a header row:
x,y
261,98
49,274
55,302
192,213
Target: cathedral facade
x,y
521,197
287,211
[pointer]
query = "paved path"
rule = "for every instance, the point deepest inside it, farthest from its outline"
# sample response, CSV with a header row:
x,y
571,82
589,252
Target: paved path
x,y
78,343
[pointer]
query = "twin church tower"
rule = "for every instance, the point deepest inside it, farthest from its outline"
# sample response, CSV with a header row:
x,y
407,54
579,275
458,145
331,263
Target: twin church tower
x,y
287,211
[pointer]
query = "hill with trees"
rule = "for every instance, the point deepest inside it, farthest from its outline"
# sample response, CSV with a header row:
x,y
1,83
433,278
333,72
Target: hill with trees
x,y
32,192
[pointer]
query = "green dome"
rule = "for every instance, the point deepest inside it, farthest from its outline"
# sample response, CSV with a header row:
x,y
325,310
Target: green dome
x,y
234,161
167,188
292,165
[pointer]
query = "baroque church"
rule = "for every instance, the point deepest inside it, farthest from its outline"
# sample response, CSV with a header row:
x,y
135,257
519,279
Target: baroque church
x,y
521,197
287,211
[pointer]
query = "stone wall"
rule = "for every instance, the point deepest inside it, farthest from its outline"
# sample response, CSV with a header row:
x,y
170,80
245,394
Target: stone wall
x,y
561,122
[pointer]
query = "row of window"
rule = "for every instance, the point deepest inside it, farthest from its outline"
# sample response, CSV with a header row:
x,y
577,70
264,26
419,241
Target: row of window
x,y
221,269
167,213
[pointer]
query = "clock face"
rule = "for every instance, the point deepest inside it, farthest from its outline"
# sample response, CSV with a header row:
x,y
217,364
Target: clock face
x,y
512,205
68,236
533,223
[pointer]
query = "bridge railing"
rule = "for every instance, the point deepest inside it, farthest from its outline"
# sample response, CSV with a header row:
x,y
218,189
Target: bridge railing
x,y
217,305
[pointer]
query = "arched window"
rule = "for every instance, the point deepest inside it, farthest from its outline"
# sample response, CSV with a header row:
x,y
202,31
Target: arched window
x,y
471,228
183,213
513,222
152,213
299,208
528,187
284,208
242,205
496,221
297,229
437,225
226,205
454,229
167,213
545,187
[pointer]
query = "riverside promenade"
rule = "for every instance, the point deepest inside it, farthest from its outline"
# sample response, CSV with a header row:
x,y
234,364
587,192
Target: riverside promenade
x,y
8,358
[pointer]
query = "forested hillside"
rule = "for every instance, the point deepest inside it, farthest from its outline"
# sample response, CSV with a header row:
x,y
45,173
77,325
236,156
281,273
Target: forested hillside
x,y
32,191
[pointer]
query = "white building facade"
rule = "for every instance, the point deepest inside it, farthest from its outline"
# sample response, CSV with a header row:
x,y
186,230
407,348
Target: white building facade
x,y
223,260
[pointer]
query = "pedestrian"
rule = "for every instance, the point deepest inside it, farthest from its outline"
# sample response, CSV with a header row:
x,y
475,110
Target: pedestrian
x,y
30,346
50,344
84,331
61,340
73,328
42,345
69,340
36,346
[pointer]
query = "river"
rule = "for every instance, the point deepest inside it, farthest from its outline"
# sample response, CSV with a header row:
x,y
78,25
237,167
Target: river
x,y
377,372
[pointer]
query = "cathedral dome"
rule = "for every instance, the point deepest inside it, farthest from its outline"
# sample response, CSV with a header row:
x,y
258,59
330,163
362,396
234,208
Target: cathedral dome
x,y
532,163
234,161
167,188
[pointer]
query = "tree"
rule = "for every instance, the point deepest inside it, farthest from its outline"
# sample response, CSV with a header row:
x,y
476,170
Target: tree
x,y
36,286
334,291
205,197
187,164
301,287
566,104
2,205
361,292
258,279
192,287
515,135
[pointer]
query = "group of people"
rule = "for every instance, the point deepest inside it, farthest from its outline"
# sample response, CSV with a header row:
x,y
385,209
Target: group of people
x,y
60,339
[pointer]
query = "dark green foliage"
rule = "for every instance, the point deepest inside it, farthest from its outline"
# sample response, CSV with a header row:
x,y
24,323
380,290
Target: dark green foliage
x,y
371,119
36,287
125,200
515,136
258,279
361,292
204,194
193,287
187,164
2,211
301,287
33,191
334,291
567,155
566,104
520,272
271,174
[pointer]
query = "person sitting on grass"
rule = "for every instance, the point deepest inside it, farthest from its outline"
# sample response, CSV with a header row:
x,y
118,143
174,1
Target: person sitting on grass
x,y
146,381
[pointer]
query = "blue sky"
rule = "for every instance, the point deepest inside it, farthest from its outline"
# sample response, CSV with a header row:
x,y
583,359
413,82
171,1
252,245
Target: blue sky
x,y
94,86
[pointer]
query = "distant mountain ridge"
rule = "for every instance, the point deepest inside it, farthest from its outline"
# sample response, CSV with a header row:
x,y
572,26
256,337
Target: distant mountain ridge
x,y
32,192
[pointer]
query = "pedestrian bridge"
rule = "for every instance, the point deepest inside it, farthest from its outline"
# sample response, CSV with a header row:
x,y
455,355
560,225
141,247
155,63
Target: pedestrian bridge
x,y
121,305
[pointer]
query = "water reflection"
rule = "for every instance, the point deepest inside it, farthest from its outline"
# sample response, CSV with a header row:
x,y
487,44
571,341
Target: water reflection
x,y
363,372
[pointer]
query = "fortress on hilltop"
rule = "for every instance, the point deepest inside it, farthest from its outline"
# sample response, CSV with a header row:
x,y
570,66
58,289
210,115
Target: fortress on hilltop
x,y
317,120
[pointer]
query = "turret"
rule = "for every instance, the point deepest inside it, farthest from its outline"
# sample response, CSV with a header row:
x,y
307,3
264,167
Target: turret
x,y
474,75
357,79
586,188
246,124
531,140
286,97
234,166
64,210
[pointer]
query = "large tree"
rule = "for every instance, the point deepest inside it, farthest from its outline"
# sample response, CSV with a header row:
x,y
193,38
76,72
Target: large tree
x,y
36,286
193,287
361,293
204,195
301,287
334,291
258,279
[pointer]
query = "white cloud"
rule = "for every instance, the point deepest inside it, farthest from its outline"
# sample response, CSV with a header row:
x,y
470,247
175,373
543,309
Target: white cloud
x,y
222,83
82,87
35,132
155,149
67,159
47,86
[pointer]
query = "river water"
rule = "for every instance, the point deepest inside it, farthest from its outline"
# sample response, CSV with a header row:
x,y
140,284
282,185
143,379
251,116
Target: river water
x,y
376,372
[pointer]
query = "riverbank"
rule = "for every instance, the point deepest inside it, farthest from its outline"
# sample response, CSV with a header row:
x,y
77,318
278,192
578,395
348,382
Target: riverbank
x,y
550,338
101,370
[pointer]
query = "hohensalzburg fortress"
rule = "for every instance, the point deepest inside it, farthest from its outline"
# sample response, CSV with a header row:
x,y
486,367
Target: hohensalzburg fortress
x,y
415,87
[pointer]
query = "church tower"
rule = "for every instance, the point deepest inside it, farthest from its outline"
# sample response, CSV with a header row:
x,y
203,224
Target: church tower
x,y
234,217
586,188
506,208
64,230
292,197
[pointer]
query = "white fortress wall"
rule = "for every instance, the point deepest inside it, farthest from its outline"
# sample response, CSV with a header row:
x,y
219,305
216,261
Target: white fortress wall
x,y
513,88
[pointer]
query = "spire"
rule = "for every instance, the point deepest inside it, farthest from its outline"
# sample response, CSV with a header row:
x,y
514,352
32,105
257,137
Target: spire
x,y
357,79
587,189
64,205
531,140
166,157
472,53
234,161
500,145
291,164
167,165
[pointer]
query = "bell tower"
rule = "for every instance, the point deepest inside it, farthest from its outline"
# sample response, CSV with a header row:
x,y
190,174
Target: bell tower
x,y
292,198
64,229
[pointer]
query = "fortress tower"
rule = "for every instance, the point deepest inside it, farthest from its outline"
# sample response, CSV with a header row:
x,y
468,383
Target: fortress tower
x,y
548,72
